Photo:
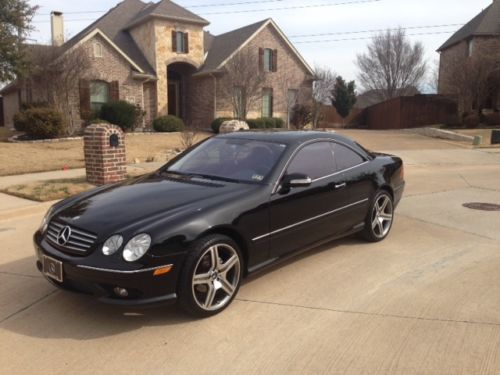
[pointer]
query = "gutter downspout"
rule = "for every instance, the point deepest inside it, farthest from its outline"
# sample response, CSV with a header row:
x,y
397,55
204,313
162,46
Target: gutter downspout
x,y
215,94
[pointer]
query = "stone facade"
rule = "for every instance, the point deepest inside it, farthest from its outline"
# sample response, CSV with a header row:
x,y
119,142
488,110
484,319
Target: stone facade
x,y
104,161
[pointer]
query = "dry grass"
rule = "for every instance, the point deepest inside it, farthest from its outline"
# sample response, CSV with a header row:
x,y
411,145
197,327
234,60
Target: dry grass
x,y
44,191
18,158
6,133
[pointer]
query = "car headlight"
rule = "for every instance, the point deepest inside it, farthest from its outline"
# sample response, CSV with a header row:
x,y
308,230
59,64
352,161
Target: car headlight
x,y
112,244
45,221
136,247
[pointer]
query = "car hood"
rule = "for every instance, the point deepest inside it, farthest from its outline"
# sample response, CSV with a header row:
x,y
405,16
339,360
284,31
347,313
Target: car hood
x,y
143,200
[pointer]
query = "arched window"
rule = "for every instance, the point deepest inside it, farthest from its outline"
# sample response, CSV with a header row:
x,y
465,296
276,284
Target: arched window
x,y
99,94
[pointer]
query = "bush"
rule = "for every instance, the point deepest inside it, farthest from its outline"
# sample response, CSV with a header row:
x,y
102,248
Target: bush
x,y
40,122
492,119
301,115
257,123
121,113
265,123
20,121
278,122
216,124
168,124
471,120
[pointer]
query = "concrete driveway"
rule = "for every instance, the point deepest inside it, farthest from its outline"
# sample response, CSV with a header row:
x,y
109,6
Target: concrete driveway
x,y
424,301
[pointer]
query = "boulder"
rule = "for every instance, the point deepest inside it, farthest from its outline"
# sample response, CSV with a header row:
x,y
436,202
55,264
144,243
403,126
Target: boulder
x,y
233,126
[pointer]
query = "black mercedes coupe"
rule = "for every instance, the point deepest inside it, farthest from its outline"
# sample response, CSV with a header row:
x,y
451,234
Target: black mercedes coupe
x,y
221,210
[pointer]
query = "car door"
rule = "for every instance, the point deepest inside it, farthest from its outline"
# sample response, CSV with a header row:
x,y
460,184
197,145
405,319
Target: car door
x,y
358,188
303,215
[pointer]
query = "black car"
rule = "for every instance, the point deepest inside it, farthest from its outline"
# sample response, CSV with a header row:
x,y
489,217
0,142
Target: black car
x,y
223,209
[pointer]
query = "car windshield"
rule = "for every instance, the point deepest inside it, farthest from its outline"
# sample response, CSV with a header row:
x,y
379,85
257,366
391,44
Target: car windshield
x,y
230,159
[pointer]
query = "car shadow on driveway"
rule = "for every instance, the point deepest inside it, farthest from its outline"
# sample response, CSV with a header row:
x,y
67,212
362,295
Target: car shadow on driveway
x,y
61,315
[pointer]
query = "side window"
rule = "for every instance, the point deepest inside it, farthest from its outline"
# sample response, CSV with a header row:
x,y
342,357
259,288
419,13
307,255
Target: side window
x,y
314,160
345,157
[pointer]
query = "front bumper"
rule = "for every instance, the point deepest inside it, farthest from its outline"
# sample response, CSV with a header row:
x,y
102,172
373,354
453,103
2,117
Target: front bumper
x,y
144,289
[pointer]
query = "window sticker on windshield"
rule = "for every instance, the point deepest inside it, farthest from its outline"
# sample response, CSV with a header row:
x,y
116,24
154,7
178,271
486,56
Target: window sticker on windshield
x,y
257,177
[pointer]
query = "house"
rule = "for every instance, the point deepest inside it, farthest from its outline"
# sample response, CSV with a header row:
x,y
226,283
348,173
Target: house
x,y
158,56
470,53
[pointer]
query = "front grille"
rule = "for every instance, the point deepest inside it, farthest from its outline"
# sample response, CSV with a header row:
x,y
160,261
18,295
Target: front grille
x,y
78,242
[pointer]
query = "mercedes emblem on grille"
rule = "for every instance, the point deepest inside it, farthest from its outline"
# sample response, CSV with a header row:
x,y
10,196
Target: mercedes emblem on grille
x,y
63,236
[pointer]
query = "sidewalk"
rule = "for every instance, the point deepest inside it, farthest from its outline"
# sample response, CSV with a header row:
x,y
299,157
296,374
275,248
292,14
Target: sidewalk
x,y
10,204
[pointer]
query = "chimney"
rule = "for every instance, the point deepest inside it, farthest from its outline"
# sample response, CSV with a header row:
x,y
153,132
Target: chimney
x,y
57,28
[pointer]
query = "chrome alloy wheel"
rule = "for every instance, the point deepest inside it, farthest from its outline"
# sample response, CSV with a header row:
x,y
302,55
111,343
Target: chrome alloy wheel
x,y
216,277
382,216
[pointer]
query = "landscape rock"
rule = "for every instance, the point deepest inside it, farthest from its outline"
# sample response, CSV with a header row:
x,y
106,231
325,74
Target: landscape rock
x,y
233,126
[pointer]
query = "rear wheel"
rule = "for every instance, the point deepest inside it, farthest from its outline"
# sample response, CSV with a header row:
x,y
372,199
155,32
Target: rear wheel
x,y
211,276
378,222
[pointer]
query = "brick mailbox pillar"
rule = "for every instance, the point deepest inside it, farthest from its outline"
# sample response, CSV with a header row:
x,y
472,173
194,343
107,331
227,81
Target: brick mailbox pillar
x,y
104,149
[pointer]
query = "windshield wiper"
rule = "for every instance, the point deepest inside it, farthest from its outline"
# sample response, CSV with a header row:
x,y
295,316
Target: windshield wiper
x,y
211,177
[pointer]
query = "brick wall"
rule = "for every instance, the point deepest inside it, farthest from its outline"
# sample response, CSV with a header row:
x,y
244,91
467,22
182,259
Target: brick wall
x,y
104,163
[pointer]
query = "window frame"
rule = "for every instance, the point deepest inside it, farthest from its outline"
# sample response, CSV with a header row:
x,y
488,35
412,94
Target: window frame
x,y
267,92
470,47
98,50
96,105
180,41
268,67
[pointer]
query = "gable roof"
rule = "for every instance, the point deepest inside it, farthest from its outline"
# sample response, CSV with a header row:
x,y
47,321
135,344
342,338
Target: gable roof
x,y
226,45
112,25
485,23
168,10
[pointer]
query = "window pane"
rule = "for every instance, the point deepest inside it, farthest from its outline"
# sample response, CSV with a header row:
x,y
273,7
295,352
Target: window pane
x,y
99,94
345,157
180,41
268,57
315,161
266,103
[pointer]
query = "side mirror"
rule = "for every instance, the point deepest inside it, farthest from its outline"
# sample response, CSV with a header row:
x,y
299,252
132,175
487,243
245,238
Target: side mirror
x,y
296,180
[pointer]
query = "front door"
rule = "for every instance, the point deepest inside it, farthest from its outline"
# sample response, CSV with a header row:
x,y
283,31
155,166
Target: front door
x,y
174,97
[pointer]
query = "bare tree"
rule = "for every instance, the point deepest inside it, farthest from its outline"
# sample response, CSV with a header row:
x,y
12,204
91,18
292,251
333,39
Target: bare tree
x,y
56,74
433,77
392,65
242,82
188,137
472,80
290,86
322,92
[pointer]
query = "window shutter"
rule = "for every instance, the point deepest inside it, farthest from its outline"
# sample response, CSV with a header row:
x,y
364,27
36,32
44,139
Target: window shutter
x,y
186,42
174,41
261,59
271,102
84,88
275,60
114,91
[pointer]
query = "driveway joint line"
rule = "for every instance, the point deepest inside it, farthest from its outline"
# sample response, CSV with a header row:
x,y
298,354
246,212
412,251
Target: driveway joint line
x,y
20,274
354,312
28,306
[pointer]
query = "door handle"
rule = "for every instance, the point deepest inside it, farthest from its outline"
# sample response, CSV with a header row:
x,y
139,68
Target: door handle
x,y
340,186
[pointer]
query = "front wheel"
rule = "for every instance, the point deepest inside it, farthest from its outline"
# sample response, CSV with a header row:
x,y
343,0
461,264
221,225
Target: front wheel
x,y
378,222
211,276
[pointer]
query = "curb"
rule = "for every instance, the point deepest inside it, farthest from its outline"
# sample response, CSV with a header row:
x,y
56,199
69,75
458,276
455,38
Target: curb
x,y
442,134
17,213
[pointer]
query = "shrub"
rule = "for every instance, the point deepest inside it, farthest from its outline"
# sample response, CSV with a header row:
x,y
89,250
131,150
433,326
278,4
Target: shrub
x,y
279,122
257,123
471,120
20,121
168,124
216,124
492,119
42,122
98,121
121,113
301,115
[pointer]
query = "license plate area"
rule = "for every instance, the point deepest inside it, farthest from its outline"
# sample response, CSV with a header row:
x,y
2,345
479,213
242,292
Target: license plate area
x,y
53,268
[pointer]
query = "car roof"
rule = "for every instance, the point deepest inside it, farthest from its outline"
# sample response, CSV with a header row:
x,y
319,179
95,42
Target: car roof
x,y
289,137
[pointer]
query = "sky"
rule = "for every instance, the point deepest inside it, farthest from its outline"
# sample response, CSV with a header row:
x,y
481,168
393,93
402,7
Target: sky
x,y
434,20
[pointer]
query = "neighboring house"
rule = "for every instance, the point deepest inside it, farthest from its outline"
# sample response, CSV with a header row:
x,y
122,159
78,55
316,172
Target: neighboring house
x,y
479,37
158,56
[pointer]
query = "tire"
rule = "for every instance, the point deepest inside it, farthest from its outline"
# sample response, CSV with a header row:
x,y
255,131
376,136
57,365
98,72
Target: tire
x,y
211,276
378,222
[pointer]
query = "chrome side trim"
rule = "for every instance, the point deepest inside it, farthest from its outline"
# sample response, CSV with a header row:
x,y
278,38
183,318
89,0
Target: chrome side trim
x,y
307,220
120,271
339,172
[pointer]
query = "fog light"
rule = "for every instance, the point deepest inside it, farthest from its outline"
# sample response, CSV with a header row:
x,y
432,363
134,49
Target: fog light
x,y
122,292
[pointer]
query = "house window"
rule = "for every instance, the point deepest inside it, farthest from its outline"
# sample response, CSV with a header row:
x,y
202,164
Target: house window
x,y
267,103
470,47
99,94
238,101
180,42
97,49
268,60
